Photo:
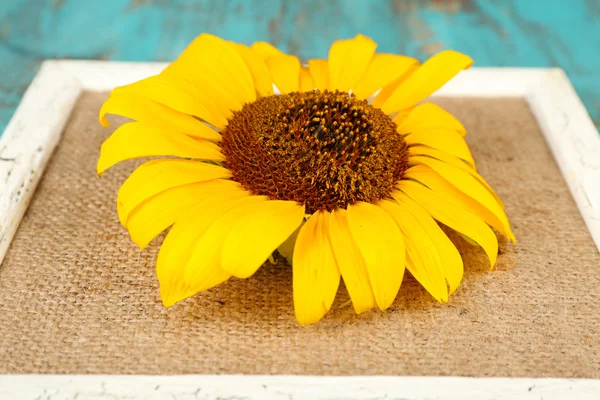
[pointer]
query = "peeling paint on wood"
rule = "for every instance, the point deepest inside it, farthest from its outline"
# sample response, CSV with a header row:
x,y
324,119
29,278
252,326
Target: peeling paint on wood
x,y
532,33
238,387
28,141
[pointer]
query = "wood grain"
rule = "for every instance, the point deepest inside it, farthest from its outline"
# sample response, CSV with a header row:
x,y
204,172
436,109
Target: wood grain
x,y
533,33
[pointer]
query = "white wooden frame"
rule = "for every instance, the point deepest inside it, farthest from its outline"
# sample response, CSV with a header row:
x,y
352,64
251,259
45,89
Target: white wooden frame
x,y
285,387
29,139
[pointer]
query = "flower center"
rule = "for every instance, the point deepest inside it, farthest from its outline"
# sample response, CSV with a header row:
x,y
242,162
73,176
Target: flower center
x,y
323,149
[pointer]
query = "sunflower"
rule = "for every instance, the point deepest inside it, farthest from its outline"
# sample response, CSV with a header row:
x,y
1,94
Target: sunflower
x,y
337,164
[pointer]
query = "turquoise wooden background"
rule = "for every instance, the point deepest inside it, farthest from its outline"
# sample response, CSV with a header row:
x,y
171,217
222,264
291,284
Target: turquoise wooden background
x,y
529,33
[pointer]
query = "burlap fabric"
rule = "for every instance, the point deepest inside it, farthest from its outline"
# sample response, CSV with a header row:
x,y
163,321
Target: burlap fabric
x,y
77,296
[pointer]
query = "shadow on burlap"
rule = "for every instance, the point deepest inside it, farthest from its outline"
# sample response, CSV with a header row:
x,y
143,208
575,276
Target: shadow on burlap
x,y
77,296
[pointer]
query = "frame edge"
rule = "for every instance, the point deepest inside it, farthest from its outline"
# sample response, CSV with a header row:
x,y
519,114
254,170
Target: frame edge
x,y
573,140
29,140
284,387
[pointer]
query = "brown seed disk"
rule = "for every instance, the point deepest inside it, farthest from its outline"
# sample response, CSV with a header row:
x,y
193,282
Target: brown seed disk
x,y
323,149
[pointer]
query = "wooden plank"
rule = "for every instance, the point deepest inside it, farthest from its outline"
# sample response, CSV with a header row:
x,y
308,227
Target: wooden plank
x,y
28,143
213,387
535,33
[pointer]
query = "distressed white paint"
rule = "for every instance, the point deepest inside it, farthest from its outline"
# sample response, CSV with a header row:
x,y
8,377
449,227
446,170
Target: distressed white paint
x,y
238,387
28,142
35,129
574,141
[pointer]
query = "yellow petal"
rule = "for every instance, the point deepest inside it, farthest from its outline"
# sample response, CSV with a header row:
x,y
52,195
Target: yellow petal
x,y
306,81
416,151
157,213
154,176
144,110
463,188
316,276
381,245
218,98
180,276
183,236
431,76
212,61
266,50
390,89
258,69
348,61
451,261
254,236
453,215
208,249
172,292
320,73
422,258
383,70
428,117
447,141
285,71
141,139
350,262
174,94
